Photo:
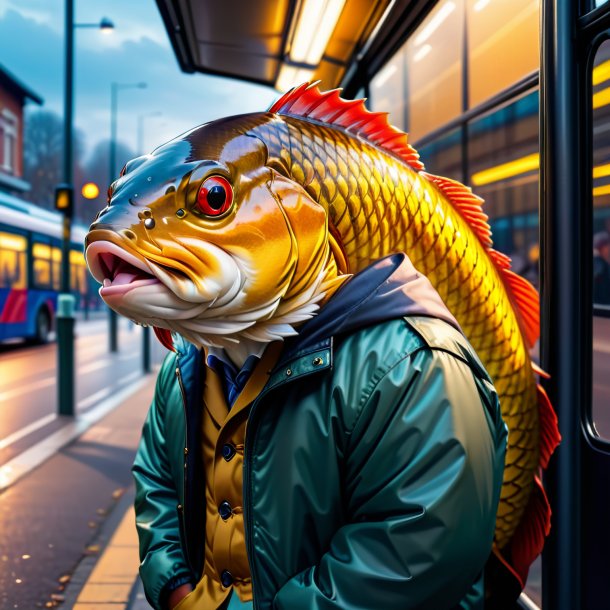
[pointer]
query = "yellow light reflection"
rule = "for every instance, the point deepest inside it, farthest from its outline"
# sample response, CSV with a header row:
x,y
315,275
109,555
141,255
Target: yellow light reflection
x,y
601,73
601,190
601,98
506,170
601,170
12,242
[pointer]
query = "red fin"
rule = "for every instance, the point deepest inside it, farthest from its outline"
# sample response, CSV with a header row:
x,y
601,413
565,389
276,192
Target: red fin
x,y
165,337
539,371
549,431
529,537
308,102
523,295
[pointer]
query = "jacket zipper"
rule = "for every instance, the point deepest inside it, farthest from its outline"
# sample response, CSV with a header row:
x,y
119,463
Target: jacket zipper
x,y
182,513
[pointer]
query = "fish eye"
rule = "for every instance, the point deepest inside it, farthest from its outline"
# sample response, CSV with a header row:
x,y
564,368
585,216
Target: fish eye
x,y
215,196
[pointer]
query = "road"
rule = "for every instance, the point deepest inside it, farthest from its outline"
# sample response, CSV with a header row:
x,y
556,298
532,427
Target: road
x,y
28,395
50,517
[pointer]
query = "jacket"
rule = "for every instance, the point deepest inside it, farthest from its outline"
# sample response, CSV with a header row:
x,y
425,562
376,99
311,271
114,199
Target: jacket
x,y
372,466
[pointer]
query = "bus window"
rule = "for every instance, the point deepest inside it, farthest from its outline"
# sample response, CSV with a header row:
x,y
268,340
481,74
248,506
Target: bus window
x,y
600,408
41,254
13,272
434,69
387,90
56,264
78,272
493,27
503,165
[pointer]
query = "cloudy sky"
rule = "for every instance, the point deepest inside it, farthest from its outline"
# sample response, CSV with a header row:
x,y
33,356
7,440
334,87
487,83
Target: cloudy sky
x,y
138,50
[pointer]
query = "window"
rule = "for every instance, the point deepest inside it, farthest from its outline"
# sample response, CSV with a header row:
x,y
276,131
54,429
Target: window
x,y
13,261
503,45
8,128
600,409
41,254
388,90
78,272
443,156
434,69
503,165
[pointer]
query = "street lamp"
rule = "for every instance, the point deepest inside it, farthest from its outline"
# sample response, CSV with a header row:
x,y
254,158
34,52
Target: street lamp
x,y
64,202
145,329
112,172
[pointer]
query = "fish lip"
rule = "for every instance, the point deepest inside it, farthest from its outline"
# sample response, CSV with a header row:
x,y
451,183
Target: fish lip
x,y
99,269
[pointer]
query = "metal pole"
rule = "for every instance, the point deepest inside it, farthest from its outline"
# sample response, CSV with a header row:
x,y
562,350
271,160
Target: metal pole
x,y
112,316
146,349
562,281
65,317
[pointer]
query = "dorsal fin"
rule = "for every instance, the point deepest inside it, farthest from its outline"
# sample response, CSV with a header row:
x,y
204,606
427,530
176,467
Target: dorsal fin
x,y
307,102
523,295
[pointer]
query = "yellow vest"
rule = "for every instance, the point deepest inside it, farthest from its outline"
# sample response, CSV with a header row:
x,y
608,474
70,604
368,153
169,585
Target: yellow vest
x,y
224,432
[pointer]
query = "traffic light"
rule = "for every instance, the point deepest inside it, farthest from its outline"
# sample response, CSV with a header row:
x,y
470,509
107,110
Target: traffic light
x,y
64,199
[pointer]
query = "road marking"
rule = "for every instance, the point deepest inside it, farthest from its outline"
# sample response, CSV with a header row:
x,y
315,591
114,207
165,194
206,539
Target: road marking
x,y
91,400
30,387
23,463
94,366
116,571
23,432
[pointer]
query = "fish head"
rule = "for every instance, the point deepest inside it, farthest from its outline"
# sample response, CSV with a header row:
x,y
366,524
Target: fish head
x,y
203,238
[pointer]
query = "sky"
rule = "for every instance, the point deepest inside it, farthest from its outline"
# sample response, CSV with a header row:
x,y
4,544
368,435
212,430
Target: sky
x,y
138,50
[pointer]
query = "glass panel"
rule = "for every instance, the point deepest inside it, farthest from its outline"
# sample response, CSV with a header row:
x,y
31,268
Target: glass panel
x,y
42,265
493,27
434,69
443,156
387,90
12,261
503,162
78,272
56,257
601,241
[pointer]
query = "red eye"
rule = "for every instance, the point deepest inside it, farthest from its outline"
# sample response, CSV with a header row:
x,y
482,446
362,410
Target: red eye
x,y
215,196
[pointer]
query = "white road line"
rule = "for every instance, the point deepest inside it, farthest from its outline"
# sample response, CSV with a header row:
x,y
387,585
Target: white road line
x,y
94,366
23,463
91,400
23,432
30,387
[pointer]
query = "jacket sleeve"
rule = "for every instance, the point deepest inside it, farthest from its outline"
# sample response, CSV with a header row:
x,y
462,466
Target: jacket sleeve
x,y
157,519
422,482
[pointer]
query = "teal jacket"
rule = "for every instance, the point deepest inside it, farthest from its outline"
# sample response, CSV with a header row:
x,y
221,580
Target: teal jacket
x,y
372,471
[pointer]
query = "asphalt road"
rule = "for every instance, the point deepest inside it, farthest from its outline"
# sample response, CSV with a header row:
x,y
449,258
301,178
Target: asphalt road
x,y
49,518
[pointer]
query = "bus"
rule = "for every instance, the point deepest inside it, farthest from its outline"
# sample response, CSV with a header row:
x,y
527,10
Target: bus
x,y
30,266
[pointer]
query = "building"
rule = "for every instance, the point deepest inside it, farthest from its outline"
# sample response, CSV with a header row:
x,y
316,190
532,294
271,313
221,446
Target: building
x,y
13,96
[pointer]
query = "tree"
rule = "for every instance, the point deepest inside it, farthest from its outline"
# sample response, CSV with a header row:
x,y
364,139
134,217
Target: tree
x,y
96,170
42,155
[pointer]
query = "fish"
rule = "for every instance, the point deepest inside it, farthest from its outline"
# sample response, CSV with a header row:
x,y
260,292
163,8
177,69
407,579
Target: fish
x,y
236,232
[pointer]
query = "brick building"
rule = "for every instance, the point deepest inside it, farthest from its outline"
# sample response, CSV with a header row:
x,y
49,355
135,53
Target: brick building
x,y
13,96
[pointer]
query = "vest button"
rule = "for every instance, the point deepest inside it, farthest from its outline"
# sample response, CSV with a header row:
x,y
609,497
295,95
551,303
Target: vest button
x,y
226,578
228,451
225,510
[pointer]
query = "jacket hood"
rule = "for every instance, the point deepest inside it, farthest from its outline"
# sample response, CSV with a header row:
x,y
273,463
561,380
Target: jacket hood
x,y
388,289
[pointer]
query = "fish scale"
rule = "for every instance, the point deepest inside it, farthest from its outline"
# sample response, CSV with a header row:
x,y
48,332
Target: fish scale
x,y
379,205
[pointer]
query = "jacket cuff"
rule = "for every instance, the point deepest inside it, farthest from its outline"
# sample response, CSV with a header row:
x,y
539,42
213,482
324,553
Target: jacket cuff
x,y
171,585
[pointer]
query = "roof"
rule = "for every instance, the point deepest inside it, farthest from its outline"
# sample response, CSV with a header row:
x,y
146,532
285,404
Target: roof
x,y
10,82
251,40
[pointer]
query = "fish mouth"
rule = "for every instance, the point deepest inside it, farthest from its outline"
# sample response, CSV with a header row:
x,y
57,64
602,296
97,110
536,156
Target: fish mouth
x,y
117,270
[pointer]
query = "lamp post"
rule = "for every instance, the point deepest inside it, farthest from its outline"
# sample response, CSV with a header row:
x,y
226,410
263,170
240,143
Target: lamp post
x,y
145,329
112,171
64,202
